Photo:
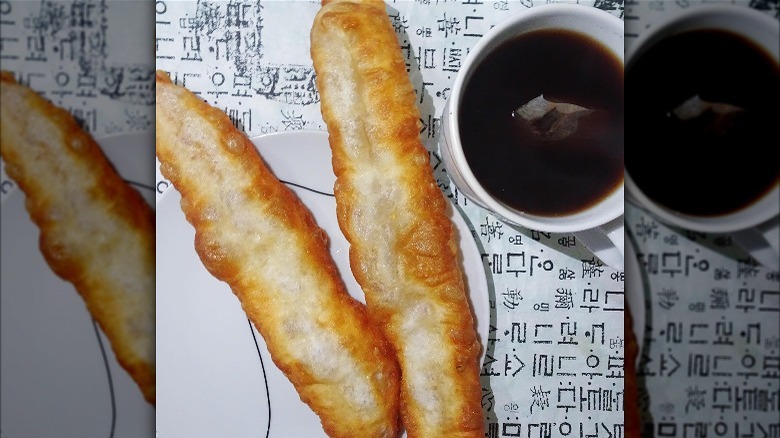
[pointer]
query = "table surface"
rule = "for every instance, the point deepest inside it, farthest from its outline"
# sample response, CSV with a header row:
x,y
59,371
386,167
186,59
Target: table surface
x,y
554,362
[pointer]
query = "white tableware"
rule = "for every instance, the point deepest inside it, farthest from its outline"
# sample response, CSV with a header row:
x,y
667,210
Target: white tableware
x,y
756,227
215,375
599,227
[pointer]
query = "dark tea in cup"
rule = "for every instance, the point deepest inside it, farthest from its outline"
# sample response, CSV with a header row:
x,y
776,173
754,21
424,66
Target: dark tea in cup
x,y
558,163
702,121
533,128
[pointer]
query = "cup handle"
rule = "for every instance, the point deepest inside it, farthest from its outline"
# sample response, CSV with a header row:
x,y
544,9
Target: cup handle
x,y
606,242
762,242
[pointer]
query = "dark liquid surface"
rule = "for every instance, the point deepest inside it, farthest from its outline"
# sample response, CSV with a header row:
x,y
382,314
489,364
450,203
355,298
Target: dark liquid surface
x,y
549,178
712,164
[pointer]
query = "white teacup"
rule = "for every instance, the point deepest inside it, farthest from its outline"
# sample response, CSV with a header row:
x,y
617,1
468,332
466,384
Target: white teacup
x,y
600,225
755,227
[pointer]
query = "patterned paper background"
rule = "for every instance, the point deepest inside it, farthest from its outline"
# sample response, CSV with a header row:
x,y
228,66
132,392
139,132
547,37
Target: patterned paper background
x,y
554,363
74,54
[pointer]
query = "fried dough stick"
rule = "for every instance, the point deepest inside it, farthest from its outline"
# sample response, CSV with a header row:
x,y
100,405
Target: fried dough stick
x,y
96,231
253,233
403,251
632,414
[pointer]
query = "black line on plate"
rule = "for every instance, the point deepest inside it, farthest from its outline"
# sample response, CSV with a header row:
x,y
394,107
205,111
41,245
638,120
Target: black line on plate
x,y
265,377
141,185
110,381
306,188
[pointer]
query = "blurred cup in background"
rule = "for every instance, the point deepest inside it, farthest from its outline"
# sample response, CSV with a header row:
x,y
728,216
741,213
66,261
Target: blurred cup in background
x,y
701,123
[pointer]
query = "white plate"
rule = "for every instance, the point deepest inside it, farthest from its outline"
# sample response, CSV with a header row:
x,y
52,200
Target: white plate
x,y
59,374
635,293
215,376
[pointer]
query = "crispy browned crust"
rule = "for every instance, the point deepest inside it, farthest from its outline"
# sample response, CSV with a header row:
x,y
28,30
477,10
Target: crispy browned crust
x,y
96,231
632,416
403,250
253,233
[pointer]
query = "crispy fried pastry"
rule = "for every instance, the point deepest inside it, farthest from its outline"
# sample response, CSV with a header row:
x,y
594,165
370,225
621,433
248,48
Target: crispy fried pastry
x,y
632,413
96,231
253,233
403,247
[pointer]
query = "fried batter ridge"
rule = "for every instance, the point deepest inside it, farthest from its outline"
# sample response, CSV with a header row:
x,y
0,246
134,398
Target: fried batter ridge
x,y
96,231
403,246
253,233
